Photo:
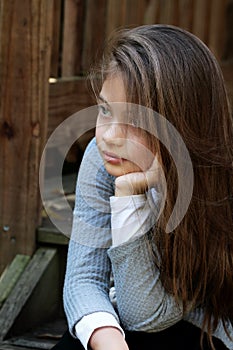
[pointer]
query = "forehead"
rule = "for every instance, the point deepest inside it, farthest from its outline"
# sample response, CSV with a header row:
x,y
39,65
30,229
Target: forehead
x,y
113,89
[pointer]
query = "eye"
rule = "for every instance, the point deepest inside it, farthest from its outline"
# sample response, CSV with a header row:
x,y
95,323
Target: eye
x,y
104,111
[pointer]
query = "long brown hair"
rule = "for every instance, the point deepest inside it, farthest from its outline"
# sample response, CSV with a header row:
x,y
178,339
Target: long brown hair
x,y
172,72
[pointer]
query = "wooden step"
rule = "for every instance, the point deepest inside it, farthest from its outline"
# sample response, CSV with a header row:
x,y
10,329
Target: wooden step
x,y
4,346
40,264
51,235
43,337
11,275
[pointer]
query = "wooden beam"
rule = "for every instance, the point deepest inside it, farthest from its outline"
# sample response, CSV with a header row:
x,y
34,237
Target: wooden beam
x,y
201,20
25,41
51,235
228,51
217,30
72,37
186,10
56,39
11,275
94,32
67,96
227,69
26,343
5,346
24,288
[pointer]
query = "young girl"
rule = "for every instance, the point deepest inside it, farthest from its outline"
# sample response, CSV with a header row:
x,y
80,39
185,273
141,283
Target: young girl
x,y
173,289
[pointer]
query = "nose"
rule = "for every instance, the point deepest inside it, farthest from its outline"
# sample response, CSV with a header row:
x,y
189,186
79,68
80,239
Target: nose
x,y
114,134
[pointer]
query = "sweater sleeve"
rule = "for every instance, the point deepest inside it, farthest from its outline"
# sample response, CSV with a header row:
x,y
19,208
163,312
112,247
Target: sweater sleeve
x,y
90,260
87,278
142,302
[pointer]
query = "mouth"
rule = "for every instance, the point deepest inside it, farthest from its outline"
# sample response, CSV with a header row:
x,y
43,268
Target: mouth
x,y
112,158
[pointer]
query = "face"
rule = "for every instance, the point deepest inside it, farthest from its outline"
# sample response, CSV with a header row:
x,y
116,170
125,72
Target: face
x,y
123,147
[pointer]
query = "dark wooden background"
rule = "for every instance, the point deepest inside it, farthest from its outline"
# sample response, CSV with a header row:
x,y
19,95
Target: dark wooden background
x,y
46,48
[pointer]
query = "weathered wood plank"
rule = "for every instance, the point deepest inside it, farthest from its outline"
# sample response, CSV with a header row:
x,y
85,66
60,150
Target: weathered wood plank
x,y
201,19
51,235
23,288
186,9
228,50
151,12
166,11
32,343
227,69
67,96
5,346
72,38
217,31
56,39
134,12
116,16
94,32
42,337
11,275
25,42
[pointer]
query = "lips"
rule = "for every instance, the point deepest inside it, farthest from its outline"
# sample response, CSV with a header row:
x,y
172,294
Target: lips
x,y
112,158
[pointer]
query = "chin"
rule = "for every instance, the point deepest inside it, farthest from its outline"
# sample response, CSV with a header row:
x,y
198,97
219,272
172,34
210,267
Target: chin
x,y
118,170
113,170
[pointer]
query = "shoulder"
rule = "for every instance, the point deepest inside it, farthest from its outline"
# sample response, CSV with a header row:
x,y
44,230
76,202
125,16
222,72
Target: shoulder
x,y
91,157
91,145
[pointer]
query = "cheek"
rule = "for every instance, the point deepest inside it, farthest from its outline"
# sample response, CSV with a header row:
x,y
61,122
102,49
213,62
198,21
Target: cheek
x,y
139,151
99,130
137,142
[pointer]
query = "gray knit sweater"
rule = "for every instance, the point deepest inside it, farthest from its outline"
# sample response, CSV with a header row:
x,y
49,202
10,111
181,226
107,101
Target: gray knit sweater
x,y
142,302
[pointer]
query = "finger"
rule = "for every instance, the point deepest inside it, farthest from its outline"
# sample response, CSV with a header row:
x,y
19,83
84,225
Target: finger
x,y
130,184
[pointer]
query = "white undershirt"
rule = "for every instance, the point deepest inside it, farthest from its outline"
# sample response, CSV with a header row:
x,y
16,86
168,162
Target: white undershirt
x,y
130,218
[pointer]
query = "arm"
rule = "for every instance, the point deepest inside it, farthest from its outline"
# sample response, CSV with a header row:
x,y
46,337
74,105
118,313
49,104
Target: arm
x,y
142,302
86,284
86,288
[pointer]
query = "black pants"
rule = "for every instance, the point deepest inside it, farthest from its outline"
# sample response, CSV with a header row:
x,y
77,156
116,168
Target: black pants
x,y
182,336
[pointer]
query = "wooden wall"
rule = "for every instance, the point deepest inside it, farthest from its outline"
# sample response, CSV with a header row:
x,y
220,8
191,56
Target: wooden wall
x,y
25,43
60,39
81,27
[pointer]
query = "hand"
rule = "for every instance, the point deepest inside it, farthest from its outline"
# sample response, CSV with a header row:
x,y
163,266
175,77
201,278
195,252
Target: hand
x,y
108,338
139,182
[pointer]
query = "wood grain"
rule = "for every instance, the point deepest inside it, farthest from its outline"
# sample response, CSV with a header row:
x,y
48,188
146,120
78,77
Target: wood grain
x,y
25,44
73,30
24,288
11,274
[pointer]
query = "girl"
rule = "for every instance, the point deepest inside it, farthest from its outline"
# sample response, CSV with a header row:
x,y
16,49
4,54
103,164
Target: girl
x,y
172,289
